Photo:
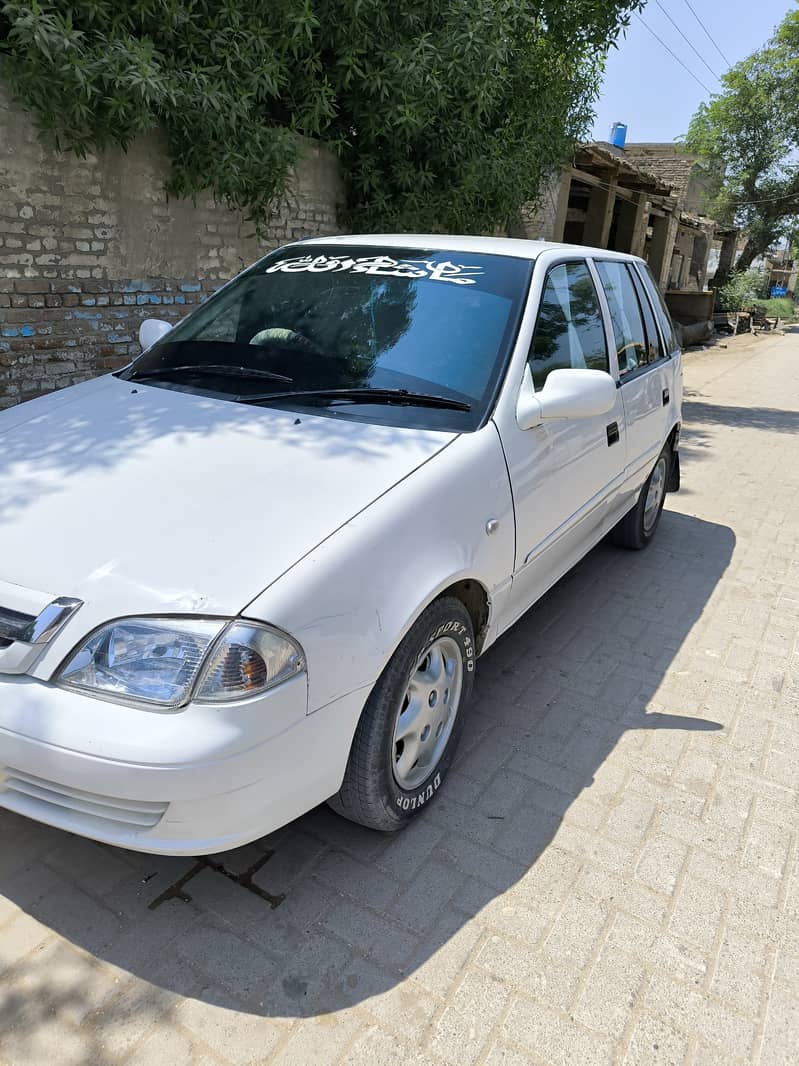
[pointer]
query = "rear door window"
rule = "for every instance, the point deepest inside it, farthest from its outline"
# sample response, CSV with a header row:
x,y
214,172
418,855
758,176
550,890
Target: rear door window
x,y
570,331
654,344
632,346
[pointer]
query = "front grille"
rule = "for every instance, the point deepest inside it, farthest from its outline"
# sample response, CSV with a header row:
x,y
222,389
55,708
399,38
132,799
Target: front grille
x,y
39,798
14,626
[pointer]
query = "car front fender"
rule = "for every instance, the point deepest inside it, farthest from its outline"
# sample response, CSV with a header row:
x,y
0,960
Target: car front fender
x,y
351,600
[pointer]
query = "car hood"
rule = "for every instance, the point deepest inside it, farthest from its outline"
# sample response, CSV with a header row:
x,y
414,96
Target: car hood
x,y
138,499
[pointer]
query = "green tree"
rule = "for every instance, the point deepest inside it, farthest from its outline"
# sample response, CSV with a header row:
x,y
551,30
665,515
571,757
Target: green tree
x,y
444,115
748,137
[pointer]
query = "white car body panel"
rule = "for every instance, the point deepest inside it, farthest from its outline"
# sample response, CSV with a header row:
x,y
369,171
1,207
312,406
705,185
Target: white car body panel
x,y
143,500
646,417
164,475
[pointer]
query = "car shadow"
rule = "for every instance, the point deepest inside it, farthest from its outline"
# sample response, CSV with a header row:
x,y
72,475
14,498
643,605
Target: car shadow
x,y
324,914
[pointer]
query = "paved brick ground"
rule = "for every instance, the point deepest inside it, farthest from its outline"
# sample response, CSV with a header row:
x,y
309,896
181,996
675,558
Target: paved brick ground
x,y
611,875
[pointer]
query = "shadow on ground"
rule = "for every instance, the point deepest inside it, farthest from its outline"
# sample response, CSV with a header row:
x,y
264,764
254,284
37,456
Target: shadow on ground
x,y
771,418
359,912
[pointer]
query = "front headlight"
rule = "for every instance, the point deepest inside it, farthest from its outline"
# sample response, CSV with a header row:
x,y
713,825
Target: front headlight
x,y
167,661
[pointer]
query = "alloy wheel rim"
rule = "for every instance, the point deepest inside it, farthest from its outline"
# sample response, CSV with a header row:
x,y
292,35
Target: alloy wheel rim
x,y
655,494
427,712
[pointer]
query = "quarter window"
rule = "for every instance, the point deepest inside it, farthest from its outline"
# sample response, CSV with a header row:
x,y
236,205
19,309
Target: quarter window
x,y
625,314
569,331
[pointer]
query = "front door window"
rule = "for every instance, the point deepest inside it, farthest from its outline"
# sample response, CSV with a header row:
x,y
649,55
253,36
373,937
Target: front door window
x,y
569,331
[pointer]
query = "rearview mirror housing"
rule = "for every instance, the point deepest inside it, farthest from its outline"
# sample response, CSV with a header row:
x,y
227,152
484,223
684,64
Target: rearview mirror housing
x,y
566,393
151,331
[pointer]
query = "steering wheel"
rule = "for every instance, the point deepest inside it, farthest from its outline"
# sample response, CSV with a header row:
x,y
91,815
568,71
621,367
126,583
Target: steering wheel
x,y
277,333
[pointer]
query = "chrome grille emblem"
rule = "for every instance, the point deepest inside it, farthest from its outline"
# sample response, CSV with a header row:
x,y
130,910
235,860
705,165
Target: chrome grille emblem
x,y
23,637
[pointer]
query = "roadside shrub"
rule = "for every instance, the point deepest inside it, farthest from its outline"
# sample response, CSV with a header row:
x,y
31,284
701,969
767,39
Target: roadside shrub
x,y
742,290
779,307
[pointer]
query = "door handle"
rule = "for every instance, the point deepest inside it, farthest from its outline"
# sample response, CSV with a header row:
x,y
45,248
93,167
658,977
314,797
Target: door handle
x,y
613,433
665,397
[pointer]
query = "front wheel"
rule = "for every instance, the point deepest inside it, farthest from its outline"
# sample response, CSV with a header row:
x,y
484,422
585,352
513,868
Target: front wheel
x,y
638,526
410,727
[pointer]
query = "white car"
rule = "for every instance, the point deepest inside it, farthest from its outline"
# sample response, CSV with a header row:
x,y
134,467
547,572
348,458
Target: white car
x,y
255,569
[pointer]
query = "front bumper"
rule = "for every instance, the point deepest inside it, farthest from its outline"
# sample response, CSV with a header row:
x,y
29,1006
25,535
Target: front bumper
x,y
198,781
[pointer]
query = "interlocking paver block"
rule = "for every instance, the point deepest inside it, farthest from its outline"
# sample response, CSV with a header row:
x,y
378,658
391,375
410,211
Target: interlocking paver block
x,y
477,1007
610,993
554,1037
219,1022
654,1043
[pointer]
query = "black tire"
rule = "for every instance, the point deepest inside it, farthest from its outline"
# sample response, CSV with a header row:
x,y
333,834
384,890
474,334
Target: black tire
x,y
370,793
634,531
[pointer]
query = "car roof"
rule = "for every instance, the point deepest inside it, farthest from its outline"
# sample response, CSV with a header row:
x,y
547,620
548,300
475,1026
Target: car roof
x,y
518,247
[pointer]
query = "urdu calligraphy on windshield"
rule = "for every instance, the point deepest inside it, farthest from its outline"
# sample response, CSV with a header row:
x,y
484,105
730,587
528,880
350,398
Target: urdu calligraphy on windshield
x,y
382,266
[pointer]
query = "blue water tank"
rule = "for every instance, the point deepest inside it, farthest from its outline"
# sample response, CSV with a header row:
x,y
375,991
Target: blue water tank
x,y
618,134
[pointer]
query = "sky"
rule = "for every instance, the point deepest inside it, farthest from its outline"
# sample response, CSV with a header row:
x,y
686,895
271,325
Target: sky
x,y
646,87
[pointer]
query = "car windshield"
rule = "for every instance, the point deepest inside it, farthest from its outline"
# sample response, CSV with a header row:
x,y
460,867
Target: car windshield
x,y
429,332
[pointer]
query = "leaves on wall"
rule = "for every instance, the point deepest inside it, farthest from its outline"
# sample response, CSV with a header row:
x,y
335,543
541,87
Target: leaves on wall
x,y
444,116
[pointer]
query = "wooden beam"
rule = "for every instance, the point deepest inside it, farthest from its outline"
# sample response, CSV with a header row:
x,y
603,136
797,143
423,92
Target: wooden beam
x,y
586,178
626,191
642,185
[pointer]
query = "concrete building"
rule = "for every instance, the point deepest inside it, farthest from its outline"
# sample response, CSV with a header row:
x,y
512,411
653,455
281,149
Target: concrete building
x,y
646,199
605,201
697,236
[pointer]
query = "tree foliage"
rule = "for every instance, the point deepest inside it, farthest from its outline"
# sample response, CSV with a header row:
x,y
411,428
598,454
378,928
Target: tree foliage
x,y
443,114
748,137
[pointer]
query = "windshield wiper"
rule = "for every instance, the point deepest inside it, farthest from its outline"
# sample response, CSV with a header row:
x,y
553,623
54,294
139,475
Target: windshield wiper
x,y
210,368
388,396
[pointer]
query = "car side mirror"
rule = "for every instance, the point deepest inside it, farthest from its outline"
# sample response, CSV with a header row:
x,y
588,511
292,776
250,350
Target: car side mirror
x,y
566,393
151,331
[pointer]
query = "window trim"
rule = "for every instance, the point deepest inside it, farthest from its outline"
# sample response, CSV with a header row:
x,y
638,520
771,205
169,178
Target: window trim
x,y
609,348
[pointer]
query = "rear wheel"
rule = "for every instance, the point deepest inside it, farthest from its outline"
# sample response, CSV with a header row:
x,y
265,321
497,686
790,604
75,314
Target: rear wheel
x,y
638,526
411,724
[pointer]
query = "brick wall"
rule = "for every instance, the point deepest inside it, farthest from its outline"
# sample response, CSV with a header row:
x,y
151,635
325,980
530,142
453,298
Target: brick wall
x,y
90,247
539,219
